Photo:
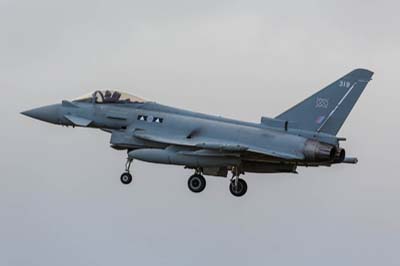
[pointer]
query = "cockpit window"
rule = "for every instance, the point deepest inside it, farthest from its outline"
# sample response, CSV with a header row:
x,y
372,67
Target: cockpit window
x,y
109,96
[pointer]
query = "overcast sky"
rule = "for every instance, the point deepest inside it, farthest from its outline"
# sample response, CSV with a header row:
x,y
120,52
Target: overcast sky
x,y
61,201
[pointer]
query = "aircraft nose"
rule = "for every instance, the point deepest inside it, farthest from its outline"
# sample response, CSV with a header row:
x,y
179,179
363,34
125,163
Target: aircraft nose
x,y
49,113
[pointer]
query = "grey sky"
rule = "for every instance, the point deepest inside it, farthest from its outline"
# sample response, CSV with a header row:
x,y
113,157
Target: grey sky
x,y
61,202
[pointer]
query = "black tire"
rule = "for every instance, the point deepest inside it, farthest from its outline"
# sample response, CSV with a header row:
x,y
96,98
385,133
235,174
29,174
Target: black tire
x,y
238,190
126,178
197,183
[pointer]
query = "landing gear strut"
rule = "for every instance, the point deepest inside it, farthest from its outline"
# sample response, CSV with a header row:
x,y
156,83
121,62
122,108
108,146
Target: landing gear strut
x,y
197,182
126,177
238,187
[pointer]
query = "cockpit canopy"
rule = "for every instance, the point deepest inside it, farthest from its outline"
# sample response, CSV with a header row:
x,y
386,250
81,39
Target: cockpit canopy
x,y
109,96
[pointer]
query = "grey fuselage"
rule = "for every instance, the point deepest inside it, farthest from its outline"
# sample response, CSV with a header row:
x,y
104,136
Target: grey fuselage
x,y
161,134
303,135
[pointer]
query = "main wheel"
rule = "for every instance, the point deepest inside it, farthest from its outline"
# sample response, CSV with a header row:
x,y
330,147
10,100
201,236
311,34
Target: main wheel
x,y
126,178
197,183
238,190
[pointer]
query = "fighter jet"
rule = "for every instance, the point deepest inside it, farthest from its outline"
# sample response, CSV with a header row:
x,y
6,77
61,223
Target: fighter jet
x,y
304,135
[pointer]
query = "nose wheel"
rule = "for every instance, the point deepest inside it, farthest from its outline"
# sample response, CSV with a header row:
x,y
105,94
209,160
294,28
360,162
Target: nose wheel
x,y
126,177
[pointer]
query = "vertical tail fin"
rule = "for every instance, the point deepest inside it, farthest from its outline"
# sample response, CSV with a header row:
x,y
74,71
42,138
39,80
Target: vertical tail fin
x,y
326,110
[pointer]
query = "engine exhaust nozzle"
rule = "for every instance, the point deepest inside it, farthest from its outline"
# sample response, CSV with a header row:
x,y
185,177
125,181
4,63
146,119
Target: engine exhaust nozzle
x,y
315,151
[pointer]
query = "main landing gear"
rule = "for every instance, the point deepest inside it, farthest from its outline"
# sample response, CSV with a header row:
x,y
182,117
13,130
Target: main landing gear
x,y
237,186
126,177
197,182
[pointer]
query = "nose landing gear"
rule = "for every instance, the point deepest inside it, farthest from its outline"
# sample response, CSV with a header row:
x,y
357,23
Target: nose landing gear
x,y
126,177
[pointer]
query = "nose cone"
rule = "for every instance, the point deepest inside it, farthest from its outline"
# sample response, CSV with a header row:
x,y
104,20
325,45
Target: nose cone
x,y
49,113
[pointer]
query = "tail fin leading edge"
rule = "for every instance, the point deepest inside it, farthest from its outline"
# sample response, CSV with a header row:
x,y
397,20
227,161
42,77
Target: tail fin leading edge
x,y
326,110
